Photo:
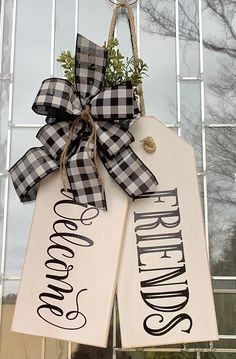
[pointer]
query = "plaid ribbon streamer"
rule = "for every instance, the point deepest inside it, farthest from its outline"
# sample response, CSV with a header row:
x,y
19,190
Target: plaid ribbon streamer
x,y
62,103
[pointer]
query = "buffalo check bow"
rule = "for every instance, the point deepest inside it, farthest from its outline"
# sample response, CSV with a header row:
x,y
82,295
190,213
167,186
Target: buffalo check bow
x,y
62,104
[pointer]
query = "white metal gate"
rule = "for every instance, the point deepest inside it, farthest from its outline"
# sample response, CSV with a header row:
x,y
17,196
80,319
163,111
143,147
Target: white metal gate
x,y
33,33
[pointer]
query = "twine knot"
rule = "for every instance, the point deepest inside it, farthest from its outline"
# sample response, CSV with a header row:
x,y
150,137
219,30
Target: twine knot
x,y
86,113
149,144
123,3
85,116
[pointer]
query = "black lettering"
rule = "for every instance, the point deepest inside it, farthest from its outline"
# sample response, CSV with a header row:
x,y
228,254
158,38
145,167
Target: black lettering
x,y
59,251
75,319
165,249
160,194
157,237
147,297
169,326
159,219
164,277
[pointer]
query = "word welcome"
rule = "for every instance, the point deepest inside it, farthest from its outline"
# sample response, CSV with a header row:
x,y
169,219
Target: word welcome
x,y
62,251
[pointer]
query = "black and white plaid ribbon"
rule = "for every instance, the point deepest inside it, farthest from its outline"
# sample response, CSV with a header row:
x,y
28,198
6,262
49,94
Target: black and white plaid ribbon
x,y
61,103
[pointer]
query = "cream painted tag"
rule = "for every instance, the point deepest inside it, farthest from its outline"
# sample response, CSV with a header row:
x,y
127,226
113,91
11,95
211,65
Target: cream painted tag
x,y
164,288
69,275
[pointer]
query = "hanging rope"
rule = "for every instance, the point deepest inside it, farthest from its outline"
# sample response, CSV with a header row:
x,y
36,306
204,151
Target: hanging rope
x,y
130,16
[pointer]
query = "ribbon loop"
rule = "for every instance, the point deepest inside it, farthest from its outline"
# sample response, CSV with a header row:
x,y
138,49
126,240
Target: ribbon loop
x,y
54,138
113,138
56,99
115,103
90,67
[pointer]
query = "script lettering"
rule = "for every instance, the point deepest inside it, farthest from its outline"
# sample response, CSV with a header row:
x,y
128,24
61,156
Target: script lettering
x,y
62,250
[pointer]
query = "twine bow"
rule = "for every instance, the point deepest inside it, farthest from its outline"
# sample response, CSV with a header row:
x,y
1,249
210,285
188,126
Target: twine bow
x,y
80,121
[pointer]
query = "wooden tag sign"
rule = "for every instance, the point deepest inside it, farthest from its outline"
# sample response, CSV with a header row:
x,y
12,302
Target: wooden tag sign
x,y
164,289
71,266
69,275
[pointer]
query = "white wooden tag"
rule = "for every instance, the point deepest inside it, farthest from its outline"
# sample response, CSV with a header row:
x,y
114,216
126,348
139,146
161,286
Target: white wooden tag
x,y
164,288
69,275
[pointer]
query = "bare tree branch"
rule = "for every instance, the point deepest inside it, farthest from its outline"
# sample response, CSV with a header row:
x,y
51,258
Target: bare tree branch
x,y
161,21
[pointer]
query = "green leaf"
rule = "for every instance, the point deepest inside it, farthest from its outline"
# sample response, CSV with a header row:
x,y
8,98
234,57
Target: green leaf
x,y
68,64
118,68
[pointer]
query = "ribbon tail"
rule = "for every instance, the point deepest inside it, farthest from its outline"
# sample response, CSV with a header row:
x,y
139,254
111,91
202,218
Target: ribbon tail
x,y
130,173
27,173
83,177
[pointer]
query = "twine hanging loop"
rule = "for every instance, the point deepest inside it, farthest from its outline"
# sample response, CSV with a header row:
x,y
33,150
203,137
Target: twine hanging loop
x,y
131,2
125,4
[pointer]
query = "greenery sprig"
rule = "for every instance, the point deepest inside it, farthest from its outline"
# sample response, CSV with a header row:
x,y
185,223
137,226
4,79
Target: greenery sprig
x,y
117,71
68,64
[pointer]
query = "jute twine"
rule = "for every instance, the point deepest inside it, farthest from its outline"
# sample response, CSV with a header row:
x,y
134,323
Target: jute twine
x,y
133,36
149,144
86,117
